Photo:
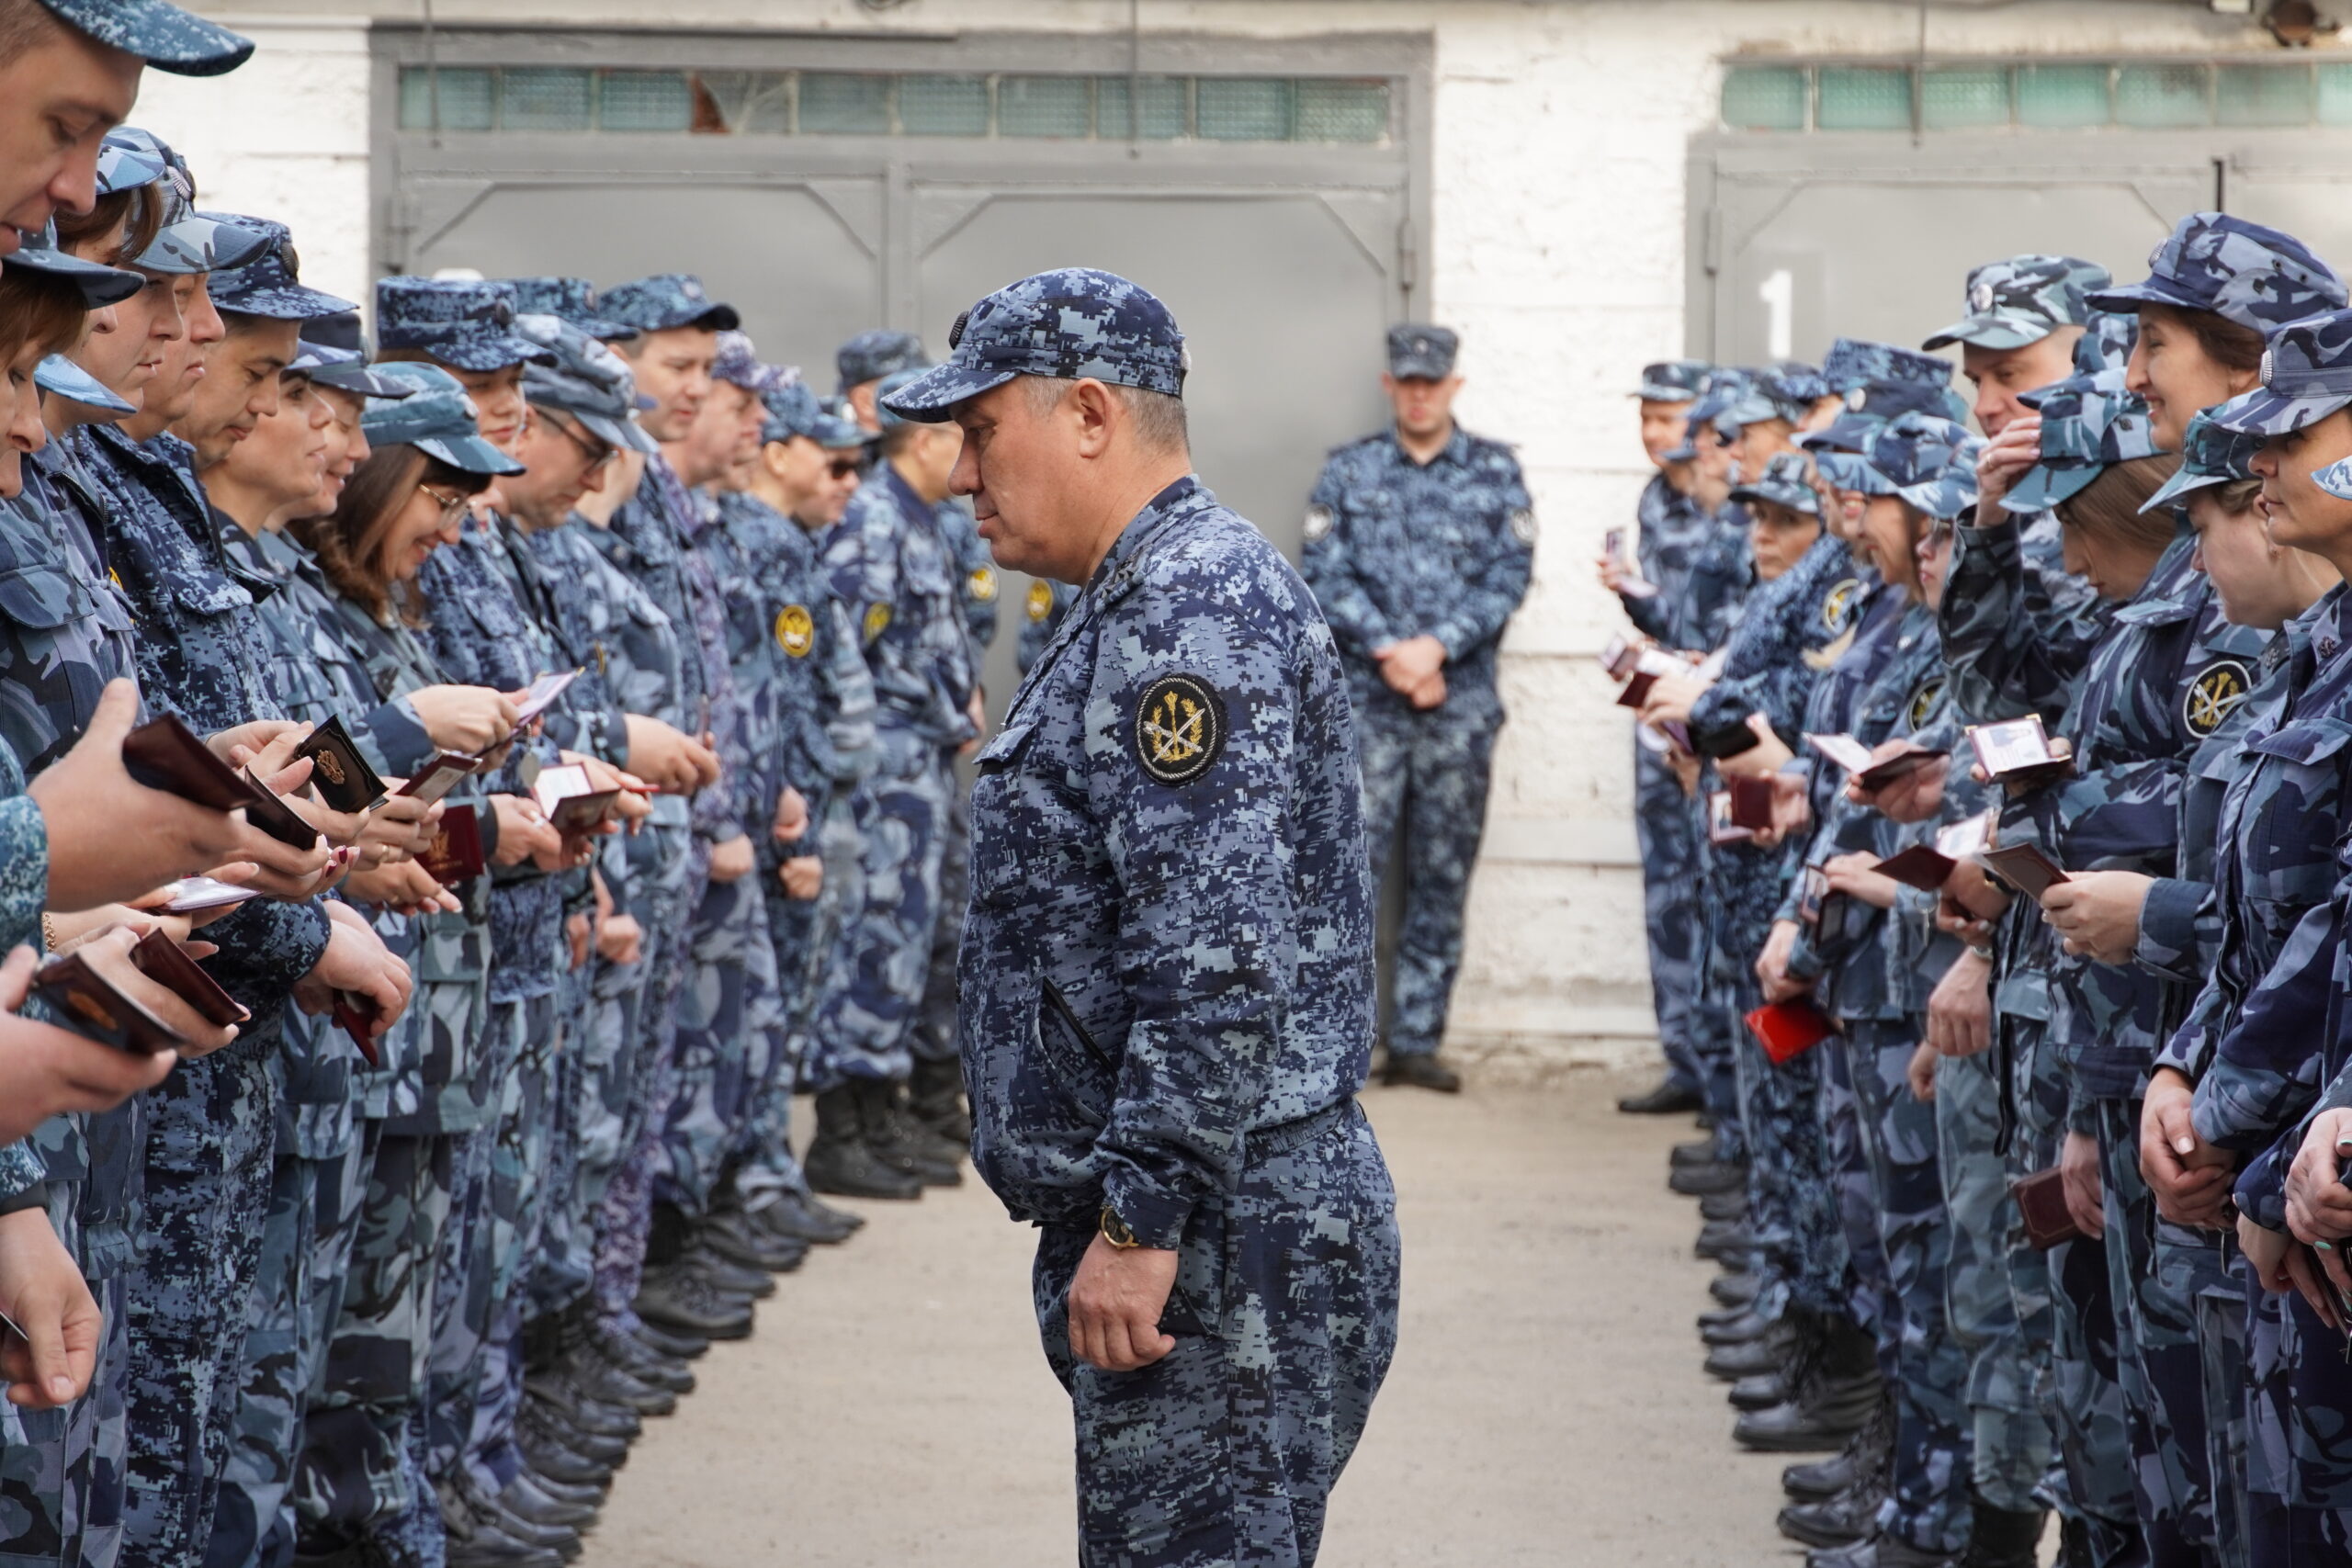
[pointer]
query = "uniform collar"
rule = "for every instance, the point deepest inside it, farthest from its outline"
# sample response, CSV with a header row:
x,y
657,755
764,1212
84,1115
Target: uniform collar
x,y
1456,449
1157,513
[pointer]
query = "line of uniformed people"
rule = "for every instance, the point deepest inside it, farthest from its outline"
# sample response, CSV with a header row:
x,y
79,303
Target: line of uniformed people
x,y
393,1273
2017,1016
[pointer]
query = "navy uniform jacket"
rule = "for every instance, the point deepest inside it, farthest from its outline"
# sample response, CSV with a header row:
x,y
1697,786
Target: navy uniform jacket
x,y
1170,946
1676,555
1398,550
892,564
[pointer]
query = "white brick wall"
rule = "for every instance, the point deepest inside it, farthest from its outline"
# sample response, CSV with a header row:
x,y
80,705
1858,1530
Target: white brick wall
x,y
1558,250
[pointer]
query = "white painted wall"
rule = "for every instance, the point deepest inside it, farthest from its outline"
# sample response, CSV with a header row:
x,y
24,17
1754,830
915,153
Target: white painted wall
x,y
1558,251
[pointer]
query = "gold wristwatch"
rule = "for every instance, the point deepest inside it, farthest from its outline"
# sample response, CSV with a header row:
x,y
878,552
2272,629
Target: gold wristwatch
x,y
1115,1231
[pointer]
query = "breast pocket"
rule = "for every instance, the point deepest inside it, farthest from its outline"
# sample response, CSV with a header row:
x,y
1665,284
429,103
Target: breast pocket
x,y
42,598
2292,825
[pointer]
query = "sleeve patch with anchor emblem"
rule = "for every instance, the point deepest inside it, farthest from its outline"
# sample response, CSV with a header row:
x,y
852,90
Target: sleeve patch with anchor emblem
x,y
1179,728
2215,695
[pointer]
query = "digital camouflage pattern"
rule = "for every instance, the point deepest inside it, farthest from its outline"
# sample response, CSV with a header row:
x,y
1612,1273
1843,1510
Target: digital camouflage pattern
x,y
1067,324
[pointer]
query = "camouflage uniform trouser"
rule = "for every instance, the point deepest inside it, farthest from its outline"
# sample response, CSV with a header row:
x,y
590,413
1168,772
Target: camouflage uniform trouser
x,y
2301,1458
362,1469
2282,1536
211,1130
867,1016
1285,1315
2010,1447
61,1471
1671,899
1793,1206
933,1039
2156,1336
1926,1364
1710,1025
2206,1268
1427,771
1869,1291
806,934
2081,1397
664,890
517,1218
306,1246
564,1265
730,1039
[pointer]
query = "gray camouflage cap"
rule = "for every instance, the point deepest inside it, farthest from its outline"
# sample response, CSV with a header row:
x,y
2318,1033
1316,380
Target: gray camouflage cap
x,y
1785,482
1853,363
1931,462
2256,277
794,410
872,355
2023,300
573,298
2211,454
1417,352
1725,386
1838,451
269,283
1672,380
440,419
665,301
1069,324
163,35
2306,376
2089,424
1786,390
334,351
583,377
2107,342
739,365
100,285
187,240
468,325
62,377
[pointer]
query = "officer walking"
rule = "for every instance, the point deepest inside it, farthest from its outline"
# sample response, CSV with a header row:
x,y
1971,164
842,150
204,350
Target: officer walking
x,y
1168,976
1418,544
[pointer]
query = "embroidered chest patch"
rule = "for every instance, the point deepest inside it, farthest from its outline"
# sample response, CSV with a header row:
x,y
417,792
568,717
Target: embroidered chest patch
x,y
877,621
2219,688
1317,525
1179,728
1924,700
983,584
1040,601
795,630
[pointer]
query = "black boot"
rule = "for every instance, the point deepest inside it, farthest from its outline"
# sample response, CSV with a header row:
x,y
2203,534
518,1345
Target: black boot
x,y
1746,1324
1837,1400
838,1159
2003,1538
526,1499
935,1096
729,1279
1699,1151
1715,1176
903,1144
1421,1069
1734,1290
1865,1452
1731,1205
1668,1098
641,1361
1853,1514
671,1343
1732,1362
1728,1241
681,1297
794,1217
734,1234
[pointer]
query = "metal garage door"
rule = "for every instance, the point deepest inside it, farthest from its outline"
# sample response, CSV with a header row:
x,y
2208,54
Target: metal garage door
x,y
1270,193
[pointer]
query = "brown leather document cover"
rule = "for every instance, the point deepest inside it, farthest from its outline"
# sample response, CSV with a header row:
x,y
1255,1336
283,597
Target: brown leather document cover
x,y
2042,1202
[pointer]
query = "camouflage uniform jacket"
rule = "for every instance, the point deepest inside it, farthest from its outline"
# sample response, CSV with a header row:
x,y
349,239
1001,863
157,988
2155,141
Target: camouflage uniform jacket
x,y
1792,629
892,565
649,539
980,588
1042,609
1676,533
1168,955
2017,629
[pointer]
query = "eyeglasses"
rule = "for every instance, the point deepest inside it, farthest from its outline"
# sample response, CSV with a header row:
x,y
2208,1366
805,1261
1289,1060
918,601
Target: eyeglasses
x,y
841,467
598,455
453,503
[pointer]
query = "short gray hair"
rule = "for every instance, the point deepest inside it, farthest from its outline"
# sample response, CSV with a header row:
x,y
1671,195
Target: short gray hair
x,y
1159,418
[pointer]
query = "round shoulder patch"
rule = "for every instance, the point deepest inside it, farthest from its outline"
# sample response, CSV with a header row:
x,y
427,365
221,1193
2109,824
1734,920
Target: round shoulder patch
x,y
795,630
878,620
1317,525
1179,728
2219,688
983,582
1522,525
1923,701
1839,603
1041,600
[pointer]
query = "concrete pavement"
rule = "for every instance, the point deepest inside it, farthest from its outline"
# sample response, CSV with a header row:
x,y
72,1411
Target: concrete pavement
x,y
1546,1406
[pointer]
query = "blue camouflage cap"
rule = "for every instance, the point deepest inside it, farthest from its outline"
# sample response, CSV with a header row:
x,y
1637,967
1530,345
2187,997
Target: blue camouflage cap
x,y
2211,454
888,417
2254,275
1725,386
2023,300
62,377
794,409
586,379
1069,324
1419,352
163,35
2088,423
438,419
1785,391
2306,376
2106,342
739,365
665,301
1672,380
574,299
187,240
100,285
468,325
872,355
268,282
1784,482
1931,462
1853,363
334,351
1838,451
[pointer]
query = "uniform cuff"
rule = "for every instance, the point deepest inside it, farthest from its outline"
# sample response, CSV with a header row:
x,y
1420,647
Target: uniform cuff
x,y
1156,1217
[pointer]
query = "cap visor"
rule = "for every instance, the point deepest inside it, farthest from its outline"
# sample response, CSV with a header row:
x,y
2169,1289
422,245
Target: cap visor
x,y
2183,482
288,302
1984,332
928,399
356,378
625,435
717,319
198,244
1411,369
100,285
469,453
2042,487
1939,499
1651,393
490,353
1850,470
2154,292
62,378
163,35
2265,412
2335,478
604,330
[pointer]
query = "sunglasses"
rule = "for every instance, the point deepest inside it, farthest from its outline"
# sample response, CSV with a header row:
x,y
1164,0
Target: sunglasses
x,y
841,467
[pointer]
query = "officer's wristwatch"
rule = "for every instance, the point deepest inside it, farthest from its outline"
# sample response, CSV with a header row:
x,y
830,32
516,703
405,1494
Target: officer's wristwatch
x,y
1115,1231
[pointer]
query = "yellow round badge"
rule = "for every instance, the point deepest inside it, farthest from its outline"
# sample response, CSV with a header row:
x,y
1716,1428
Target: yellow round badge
x,y
1040,601
796,633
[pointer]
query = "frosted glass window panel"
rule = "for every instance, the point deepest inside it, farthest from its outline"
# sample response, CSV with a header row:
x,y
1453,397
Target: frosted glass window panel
x,y
2062,97
468,98
837,103
1764,98
1167,108
545,98
1048,106
943,106
1342,111
644,101
1863,98
1244,108
1964,96
2263,94
2162,96
750,103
